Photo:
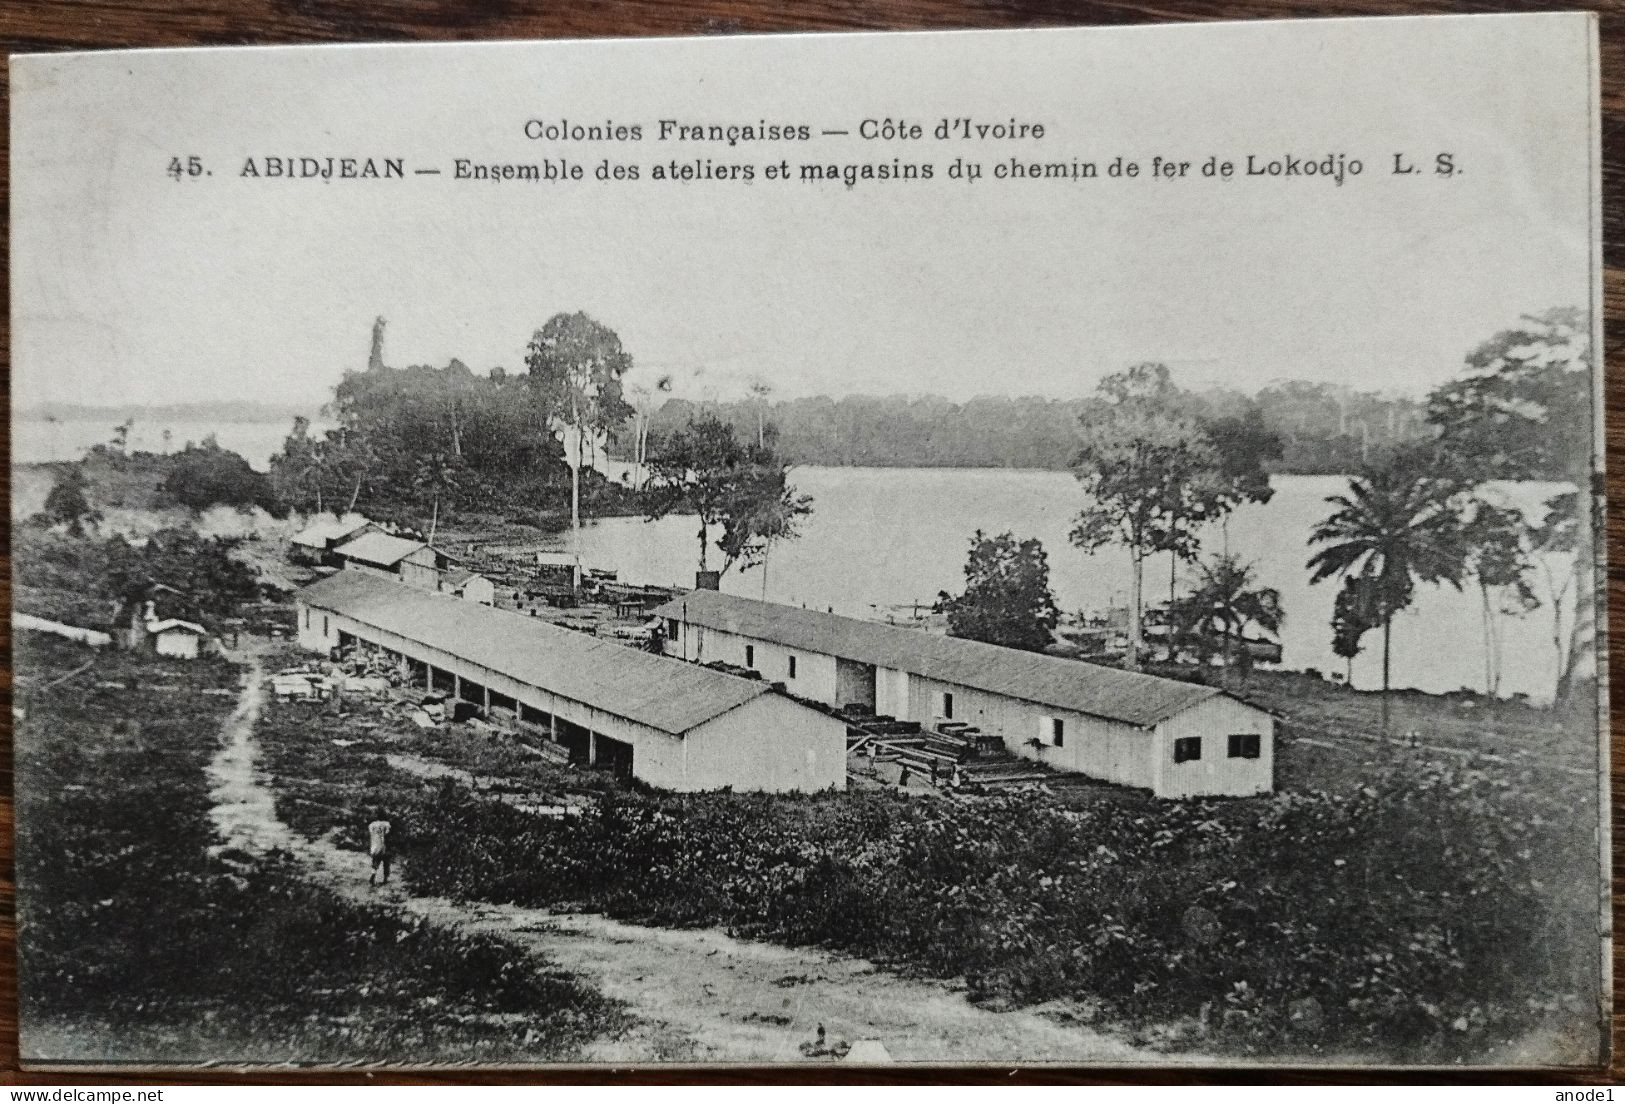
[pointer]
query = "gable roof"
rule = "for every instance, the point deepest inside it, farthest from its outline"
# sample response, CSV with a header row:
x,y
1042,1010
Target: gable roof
x,y
1108,692
666,694
379,549
329,528
174,624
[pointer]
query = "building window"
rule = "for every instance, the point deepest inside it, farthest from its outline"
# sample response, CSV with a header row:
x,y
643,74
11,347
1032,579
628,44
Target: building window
x,y
307,617
948,705
792,666
324,624
671,628
750,656
1245,745
1187,749
1057,731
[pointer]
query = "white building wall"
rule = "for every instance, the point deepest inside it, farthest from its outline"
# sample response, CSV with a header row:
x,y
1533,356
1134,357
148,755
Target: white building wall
x,y
176,644
1101,748
315,628
1215,773
815,673
421,569
1108,750
480,589
770,744
891,692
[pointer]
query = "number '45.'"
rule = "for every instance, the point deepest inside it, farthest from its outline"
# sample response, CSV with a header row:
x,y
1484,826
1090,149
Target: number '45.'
x,y
190,166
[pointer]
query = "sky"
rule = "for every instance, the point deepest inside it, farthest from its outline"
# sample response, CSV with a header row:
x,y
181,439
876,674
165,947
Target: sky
x,y
129,286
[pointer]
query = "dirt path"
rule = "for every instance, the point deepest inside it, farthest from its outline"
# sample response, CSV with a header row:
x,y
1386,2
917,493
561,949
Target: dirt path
x,y
699,994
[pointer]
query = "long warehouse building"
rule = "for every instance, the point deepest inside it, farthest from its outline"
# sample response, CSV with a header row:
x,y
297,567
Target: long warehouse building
x,y
1176,739
670,724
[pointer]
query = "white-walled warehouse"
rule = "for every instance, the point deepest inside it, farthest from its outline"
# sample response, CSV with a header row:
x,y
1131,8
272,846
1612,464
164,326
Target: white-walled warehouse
x,y
669,724
1176,739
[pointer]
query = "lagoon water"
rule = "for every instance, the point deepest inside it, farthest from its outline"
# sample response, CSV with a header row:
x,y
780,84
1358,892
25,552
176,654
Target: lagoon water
x,y
880,538
884,537
39,440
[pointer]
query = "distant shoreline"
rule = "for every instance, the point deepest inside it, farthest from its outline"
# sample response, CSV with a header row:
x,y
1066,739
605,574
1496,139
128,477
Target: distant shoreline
x,y
226,410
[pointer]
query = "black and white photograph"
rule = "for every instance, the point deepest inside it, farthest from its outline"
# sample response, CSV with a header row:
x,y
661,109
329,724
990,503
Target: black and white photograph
x,y
1075,546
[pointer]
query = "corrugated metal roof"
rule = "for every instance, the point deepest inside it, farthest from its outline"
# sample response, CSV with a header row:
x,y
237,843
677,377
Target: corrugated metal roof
x,y
1108,692
379,549
666,694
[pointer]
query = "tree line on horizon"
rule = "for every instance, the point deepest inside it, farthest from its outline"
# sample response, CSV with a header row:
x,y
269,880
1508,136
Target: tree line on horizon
x,y
1324,429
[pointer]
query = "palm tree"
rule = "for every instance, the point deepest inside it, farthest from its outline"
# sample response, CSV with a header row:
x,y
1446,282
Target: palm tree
x,y
1396,527
1227,602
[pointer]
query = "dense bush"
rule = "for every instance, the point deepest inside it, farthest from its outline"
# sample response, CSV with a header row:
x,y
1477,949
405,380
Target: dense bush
x,y
201,476
1431,914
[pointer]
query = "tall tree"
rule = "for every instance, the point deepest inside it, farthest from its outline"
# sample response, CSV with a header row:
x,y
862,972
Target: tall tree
x,y
760,389
436,475
1142,465
1353,615
740,490
1526,410
296,471
1499,558
575,365
646,396
1242,448
1557,538
1007,598
1397,526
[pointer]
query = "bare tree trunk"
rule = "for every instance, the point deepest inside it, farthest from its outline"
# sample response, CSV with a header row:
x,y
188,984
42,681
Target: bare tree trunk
x,y
1489,639
1387,633
434,517
639,426
703,544
1168,622
575,515
1135,628
1583,628
575,498
356,496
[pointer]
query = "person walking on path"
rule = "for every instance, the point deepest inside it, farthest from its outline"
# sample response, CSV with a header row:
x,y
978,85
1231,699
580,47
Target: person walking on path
x,y
378,846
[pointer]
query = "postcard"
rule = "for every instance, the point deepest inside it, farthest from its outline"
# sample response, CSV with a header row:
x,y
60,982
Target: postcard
x,y
1060,546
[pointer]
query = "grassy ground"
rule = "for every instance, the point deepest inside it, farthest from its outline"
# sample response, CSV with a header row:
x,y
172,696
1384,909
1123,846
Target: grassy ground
x,y
138,943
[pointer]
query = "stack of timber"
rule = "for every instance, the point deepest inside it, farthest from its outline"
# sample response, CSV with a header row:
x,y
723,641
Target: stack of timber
x,y
951,755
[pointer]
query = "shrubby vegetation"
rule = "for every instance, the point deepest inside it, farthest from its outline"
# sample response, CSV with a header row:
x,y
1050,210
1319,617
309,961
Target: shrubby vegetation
x,y
201,476
1302,923
83,581
130,930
